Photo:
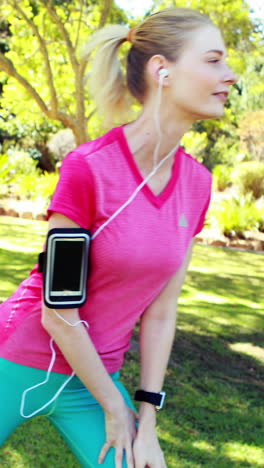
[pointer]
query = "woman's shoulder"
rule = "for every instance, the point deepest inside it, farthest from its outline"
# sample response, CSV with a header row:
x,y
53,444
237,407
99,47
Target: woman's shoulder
x,y
193,164
91,147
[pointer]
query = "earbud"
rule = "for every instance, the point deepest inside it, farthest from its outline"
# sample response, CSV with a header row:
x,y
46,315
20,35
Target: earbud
x,y
163,73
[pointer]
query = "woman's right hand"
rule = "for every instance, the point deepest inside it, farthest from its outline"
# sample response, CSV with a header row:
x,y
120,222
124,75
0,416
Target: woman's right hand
x,y
120,434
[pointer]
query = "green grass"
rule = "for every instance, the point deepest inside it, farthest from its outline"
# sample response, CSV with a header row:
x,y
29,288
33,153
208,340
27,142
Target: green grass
x,y
214,415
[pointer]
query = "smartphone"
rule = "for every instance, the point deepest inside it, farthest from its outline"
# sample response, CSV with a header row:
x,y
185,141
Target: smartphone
x,y
66,267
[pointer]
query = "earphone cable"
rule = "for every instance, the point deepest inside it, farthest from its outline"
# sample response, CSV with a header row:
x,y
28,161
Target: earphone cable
x,y
116,213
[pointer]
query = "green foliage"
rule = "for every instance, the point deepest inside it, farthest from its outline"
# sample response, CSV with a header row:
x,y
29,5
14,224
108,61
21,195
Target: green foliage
x,y
44,60
250,89
235,215
251,129
45,47
6,169
246,57
46,186
221,177
195,143
24,180
231,16
20,162
249,176
25,186
36,186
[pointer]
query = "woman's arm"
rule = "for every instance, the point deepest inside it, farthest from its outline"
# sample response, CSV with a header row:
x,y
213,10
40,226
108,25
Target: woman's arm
x,y
80,353
157,330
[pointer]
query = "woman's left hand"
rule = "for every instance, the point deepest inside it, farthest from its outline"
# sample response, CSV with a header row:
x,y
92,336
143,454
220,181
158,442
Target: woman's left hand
x,y
147,451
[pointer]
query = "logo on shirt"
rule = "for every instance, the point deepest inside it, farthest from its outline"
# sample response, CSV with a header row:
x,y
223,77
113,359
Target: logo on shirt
x,y
183,221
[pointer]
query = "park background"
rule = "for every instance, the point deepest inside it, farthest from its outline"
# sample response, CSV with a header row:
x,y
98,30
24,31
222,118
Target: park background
x,y
215,415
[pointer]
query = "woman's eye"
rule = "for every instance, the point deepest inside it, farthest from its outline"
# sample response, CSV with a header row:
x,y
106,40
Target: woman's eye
x,y
214,60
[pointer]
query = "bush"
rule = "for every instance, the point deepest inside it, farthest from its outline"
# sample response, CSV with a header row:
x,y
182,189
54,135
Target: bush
x,y
222,177
195,143
236,215
22,179
249,177
6,171
251,131
21,162
36,186
26,185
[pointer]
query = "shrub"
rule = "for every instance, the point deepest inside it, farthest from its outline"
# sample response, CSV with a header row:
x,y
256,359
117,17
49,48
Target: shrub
x,y
47,184
222,177
251,130
22,179
21,162
25,185
6,171
249,176
260,207
195,143
36,186
236,215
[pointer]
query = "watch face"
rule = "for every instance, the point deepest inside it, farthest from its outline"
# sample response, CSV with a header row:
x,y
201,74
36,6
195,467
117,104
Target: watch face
x,y
162,399
155,399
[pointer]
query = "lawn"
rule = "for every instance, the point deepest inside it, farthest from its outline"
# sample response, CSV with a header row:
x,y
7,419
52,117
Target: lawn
x,y
214,414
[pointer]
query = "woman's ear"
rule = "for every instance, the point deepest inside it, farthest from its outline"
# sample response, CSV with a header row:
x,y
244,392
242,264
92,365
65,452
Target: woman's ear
x,y
157,69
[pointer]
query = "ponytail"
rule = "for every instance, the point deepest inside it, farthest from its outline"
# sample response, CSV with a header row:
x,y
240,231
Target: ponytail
x,y
107,83
164,33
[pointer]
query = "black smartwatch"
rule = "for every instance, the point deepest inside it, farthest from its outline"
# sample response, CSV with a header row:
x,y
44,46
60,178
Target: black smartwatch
x,y
156,399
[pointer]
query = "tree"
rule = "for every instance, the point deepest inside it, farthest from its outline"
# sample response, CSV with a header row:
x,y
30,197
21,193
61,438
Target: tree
x,y
44,58
231,16
46,74
244,43
252,134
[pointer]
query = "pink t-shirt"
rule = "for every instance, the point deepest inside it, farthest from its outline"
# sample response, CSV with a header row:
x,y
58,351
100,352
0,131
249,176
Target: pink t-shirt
x,y
132,258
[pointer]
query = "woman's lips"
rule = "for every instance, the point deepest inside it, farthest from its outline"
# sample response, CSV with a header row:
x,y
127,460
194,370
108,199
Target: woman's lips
x,y
222,95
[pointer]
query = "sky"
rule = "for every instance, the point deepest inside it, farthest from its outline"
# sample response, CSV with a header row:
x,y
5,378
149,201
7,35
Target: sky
x,y
135,7
139,7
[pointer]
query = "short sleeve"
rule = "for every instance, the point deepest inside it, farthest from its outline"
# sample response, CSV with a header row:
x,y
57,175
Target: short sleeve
x,y
201,222
74,194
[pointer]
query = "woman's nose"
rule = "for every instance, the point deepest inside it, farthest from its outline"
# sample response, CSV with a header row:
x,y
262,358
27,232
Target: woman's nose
x,y
230,76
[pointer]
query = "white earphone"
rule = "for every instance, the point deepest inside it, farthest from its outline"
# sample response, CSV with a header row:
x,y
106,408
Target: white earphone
x,y
163,73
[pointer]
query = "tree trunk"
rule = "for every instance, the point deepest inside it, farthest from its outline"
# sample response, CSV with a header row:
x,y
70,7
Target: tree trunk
x,y
80,132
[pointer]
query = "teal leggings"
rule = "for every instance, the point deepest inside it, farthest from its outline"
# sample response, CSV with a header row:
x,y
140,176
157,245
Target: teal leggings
x,y
75,413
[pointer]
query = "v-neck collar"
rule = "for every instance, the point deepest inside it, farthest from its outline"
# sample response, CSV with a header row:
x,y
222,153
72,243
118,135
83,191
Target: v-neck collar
x,y
160,199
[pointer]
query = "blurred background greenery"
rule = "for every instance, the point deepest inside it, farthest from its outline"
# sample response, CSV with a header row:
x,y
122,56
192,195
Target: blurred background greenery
x,y
46,108
215,378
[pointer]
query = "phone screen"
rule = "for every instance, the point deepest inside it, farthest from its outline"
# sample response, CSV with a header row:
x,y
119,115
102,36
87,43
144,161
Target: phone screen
x,y
66,267
67,260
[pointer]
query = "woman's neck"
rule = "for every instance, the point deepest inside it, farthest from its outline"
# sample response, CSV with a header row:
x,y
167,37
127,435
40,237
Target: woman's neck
x,y
143,136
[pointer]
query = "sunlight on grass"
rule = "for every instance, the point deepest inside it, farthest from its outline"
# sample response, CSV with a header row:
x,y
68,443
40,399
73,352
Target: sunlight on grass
x,y
167,436
250,350
214,299
32,233
202,296
203,445
21,241
15,458
243,452
15,247
213,416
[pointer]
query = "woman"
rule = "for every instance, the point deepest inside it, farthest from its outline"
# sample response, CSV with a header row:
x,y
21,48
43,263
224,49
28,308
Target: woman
x,y
176,69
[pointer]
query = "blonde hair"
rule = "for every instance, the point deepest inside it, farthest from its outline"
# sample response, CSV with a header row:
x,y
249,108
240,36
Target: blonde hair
x,y
163,33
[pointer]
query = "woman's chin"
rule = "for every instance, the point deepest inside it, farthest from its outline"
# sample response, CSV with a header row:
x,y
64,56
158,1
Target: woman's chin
x,y
216,114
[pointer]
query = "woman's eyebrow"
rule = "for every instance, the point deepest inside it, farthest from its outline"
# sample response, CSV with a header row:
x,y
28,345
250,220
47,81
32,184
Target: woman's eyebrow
x,y
216,51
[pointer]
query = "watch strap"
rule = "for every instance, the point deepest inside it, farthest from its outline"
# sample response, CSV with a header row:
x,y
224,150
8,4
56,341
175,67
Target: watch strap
x,y
156,399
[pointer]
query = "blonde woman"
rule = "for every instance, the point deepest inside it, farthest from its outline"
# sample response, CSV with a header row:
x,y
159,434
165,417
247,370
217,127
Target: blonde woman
x,y
144,199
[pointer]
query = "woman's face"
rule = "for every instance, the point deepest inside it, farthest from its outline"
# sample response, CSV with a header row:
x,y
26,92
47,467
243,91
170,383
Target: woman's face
x,y
200,80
